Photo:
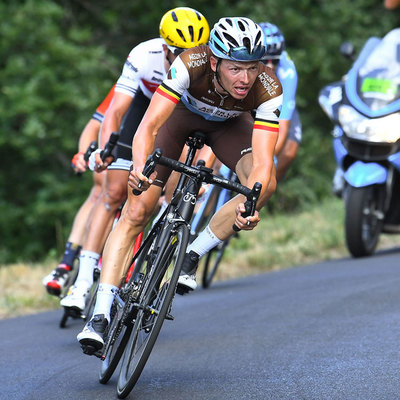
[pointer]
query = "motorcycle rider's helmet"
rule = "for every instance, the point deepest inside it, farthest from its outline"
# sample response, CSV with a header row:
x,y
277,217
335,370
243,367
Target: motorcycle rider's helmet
x,y
183,28
237,39
274,41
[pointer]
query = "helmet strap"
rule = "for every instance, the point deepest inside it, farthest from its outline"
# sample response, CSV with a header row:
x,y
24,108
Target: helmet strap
x,y
216,74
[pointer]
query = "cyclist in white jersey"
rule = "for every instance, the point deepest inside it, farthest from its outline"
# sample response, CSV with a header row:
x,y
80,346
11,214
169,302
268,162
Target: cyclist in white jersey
x,y
144,69
290,132
213,89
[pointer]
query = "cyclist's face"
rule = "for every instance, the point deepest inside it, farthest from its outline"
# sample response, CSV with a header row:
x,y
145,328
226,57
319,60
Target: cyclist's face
x,y
237,78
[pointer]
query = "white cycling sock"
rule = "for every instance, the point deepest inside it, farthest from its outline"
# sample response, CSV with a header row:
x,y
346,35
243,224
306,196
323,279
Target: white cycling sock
x,y
104,299
88,261
204,242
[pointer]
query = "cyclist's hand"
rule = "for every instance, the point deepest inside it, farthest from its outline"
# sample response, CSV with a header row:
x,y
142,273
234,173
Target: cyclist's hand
x,y
96,163
78,163
136,176
246,223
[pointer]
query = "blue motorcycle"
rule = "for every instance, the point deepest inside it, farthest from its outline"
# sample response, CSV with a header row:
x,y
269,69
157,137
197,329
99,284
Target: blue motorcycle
x,y
365,110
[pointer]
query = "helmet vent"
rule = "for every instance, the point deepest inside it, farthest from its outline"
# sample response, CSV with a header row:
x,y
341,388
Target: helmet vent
x,y
200,34
231,39
174,17
181,35
247,44
191,33
241,26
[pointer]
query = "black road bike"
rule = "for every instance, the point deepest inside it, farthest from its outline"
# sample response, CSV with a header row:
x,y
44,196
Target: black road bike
x,y
145,302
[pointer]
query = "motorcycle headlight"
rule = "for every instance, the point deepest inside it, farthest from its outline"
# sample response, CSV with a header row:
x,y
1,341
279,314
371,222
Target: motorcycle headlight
x,y
357,126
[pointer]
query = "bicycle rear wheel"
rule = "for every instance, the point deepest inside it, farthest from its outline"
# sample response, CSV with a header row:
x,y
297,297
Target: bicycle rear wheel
x,y
153,307
122,319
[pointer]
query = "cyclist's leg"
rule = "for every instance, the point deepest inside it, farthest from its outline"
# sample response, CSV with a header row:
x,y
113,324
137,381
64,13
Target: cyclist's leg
x,y
117,256
100,224
118,249
56,280
113,195
232,146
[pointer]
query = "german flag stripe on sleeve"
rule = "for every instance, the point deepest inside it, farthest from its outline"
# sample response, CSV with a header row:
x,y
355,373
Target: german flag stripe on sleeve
x,y
167,92
272,126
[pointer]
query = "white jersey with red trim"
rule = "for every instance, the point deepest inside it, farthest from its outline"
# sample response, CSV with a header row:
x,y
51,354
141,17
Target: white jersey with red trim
x,y
144,68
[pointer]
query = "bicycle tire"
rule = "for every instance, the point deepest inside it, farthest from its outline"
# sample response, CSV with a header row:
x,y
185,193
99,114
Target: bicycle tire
x,y
120,327
154,304
70,282
91,297
207,208
211,263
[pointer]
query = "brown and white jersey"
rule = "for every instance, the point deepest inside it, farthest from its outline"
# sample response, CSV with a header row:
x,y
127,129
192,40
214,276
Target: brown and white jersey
x,y
190,80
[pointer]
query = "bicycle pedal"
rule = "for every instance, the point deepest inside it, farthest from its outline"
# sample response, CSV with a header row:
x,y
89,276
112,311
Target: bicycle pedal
x,y
73,312
91,350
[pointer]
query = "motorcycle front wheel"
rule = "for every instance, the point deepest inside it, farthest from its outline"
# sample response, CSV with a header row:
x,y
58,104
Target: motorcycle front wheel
x,y
364,219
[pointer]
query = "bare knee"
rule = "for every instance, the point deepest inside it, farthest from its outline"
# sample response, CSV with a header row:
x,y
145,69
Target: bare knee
x,y
115,194
136,214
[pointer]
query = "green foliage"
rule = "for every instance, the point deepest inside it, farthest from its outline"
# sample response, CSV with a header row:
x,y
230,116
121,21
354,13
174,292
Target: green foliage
x,y
51,82
60,57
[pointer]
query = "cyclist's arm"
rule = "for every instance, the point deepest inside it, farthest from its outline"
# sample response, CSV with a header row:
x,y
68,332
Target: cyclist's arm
x,y
284,128
89,134
263,145
159,110
113,116
287,74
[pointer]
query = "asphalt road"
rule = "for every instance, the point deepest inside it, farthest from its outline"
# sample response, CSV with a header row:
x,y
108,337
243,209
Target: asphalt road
x,y
325,331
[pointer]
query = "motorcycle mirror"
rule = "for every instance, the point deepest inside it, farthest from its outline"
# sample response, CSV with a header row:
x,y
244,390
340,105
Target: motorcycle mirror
x,y
348,50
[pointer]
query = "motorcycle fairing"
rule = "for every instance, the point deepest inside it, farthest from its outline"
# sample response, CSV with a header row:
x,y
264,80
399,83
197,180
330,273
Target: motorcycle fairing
x,y
339,151
330,98
361,174
395,160
372,84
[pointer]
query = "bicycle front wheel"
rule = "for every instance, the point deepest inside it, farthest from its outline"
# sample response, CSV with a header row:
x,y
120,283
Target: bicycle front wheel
x,y
122,318
153,307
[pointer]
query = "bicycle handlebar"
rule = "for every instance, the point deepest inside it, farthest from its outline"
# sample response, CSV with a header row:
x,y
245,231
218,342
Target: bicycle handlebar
x,y
91,148
108,148
148,169
205,175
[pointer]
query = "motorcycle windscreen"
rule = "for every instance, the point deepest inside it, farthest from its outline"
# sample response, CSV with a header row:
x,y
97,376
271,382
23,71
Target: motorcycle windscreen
x,y
373,85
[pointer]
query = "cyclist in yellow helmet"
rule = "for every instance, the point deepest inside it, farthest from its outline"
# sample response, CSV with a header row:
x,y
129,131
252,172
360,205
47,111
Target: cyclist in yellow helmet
x,y
145,68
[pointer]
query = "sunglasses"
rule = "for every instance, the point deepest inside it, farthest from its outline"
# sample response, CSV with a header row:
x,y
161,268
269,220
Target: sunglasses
x,y
242,54
274,61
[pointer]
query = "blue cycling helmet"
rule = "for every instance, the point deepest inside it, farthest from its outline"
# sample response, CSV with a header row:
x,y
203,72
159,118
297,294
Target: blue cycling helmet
x,y
237,39
274,41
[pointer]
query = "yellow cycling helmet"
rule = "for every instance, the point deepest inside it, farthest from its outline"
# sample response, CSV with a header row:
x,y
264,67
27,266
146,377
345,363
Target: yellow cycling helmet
x,y
184,27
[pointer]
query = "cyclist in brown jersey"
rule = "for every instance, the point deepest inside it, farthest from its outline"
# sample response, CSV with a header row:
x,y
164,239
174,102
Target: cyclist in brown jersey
x,y
212,89
144,69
